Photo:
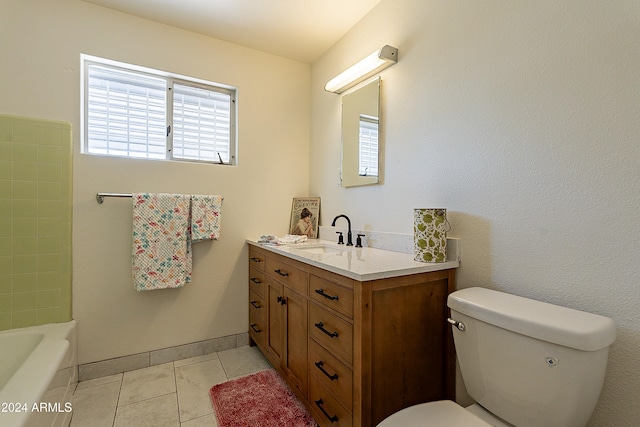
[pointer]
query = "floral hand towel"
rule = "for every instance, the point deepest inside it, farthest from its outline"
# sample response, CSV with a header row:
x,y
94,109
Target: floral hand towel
x,y
206,217
161,246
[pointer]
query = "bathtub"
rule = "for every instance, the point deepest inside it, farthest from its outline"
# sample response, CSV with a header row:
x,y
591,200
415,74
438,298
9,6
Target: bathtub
x,y
38,375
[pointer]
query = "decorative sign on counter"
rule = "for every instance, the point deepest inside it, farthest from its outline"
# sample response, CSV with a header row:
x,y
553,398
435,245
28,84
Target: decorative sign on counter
x,y
304,216
430,234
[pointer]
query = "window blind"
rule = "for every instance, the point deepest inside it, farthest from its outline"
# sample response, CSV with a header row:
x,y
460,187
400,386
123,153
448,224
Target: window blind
x,y
126,113
201,123
368,146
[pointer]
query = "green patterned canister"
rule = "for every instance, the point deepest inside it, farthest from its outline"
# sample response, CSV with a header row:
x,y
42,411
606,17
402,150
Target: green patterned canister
x,y
430,235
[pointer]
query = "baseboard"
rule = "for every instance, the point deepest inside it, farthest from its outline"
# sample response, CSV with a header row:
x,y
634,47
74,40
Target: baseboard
x,y
103,368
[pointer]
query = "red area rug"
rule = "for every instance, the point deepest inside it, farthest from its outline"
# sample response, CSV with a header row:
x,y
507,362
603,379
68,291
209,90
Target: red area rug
x,y
261,400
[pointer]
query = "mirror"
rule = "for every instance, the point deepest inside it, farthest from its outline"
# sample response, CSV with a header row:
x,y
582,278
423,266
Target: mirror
x,y
360,144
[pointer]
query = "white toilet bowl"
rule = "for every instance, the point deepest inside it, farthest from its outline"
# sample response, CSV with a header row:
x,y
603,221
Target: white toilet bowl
x,y
442,413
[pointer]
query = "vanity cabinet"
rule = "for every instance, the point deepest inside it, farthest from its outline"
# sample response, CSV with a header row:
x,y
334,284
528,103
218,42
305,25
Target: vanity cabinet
x,y
283,331
353,351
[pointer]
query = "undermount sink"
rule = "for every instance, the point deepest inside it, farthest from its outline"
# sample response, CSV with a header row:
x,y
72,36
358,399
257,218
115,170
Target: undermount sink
x,y
321,249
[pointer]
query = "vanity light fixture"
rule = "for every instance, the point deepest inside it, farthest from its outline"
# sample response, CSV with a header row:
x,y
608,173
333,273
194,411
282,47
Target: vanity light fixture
x,y
372,64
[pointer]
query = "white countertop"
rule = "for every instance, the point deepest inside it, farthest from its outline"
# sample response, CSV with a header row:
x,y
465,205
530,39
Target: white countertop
x,y
361,264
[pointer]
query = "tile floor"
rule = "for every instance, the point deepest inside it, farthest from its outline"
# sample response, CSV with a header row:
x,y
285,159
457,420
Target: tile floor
x,y
174,394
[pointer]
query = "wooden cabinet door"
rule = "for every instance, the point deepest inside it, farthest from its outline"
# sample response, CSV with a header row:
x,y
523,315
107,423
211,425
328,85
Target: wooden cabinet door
x,y
296,339
275,335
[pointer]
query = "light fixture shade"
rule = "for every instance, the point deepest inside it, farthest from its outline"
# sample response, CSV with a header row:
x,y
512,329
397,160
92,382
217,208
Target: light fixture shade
x,y
372,64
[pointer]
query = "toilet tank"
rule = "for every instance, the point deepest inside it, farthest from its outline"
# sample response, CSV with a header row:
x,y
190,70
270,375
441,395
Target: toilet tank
x,y
528,362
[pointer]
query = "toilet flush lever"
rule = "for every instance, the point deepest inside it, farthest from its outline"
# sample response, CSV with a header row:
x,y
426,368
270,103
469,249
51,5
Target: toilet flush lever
x,y
457,324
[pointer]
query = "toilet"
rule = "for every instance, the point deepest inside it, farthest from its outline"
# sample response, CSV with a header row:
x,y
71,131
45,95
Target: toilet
x,y
526,363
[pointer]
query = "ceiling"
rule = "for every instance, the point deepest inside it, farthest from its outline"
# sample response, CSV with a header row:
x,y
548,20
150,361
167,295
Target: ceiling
x,y
298,29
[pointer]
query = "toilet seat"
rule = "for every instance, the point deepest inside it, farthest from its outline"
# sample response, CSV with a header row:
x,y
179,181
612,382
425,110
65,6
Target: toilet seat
x,y
442,413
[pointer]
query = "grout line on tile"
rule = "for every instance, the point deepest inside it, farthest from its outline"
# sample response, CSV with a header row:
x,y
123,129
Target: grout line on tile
x,y
177,400
226,374
144,400
115,412
175,383
117,401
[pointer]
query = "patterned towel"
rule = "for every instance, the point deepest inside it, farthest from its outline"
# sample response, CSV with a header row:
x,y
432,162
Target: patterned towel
x,y
161,247
205,217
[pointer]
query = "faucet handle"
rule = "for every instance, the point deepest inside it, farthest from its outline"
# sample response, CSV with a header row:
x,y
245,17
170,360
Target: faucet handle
x,y
359,240
340,238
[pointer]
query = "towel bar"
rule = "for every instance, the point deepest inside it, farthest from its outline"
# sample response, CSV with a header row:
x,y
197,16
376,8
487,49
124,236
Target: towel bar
x,y
100,196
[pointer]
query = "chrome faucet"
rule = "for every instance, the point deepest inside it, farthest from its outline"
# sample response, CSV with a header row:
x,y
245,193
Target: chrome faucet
x,y
349,238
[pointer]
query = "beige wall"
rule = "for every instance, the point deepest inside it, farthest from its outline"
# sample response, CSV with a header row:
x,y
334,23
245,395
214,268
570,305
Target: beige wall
x,y
40,77
521,118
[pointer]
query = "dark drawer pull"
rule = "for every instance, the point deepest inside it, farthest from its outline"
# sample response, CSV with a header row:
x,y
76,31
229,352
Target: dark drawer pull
x,y
319,365
253,326
283,274
254,259
320,326
282,301
256,304
319,404
331,297
256,280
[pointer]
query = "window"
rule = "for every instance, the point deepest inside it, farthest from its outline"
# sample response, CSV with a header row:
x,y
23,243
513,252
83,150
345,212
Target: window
x,y
368,146
135,112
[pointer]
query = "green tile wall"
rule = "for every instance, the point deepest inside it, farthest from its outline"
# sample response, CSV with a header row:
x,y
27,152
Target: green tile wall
x,y
35,222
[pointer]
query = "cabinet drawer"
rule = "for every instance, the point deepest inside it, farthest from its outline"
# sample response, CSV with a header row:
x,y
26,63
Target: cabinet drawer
x,y
331,295
257,258
257,306
258,281
330,372
332,332
287,274
328,411
257,329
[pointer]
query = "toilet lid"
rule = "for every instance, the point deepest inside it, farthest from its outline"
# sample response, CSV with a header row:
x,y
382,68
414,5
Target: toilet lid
x,y
443,413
